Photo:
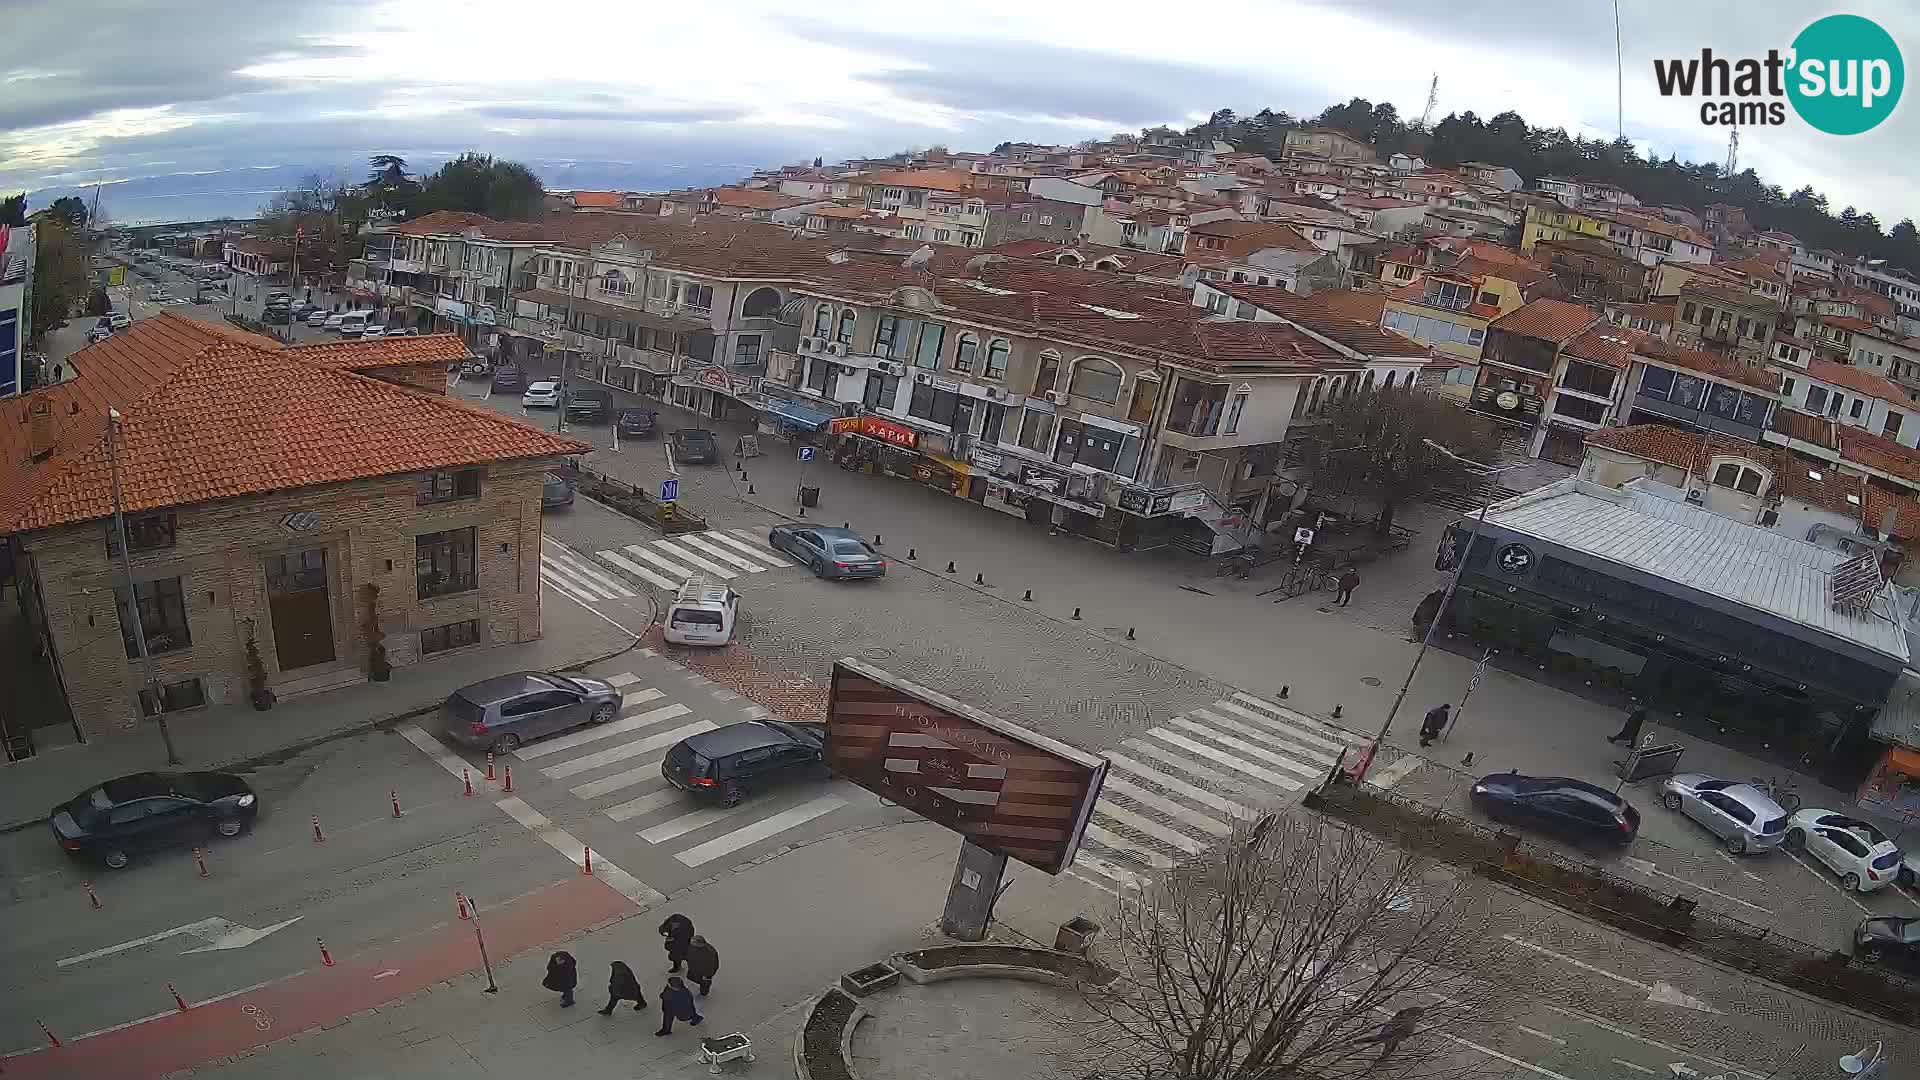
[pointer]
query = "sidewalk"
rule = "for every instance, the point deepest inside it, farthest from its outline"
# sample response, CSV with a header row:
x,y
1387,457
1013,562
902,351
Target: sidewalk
x,y
234,736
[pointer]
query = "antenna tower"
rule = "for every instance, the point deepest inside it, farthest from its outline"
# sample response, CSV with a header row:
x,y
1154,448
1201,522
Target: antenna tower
x,y
1433,98
1733,154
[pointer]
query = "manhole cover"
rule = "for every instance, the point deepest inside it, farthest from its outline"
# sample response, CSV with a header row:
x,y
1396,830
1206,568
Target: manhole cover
x,y
876,653
1371,681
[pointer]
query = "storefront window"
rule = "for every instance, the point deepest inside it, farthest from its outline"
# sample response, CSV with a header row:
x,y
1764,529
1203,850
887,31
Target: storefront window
x,y
1036,431
882,390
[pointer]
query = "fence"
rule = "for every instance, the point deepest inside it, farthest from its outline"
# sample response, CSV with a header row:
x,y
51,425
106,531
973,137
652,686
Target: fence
x,y
1671,920
636,503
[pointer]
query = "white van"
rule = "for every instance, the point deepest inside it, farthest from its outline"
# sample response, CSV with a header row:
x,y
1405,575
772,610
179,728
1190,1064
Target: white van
x,y
703,614
352,323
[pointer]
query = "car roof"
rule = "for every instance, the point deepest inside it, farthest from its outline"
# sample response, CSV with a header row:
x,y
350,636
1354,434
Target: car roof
x,y
693,433
1565,783
136,786
544,384
732,739
505,687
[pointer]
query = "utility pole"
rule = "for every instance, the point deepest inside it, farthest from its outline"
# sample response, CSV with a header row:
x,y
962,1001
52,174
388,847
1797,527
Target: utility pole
x,y
566,327
150,680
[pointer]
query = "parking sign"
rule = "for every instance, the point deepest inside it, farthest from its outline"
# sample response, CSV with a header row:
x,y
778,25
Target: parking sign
x,y
806,453
669,490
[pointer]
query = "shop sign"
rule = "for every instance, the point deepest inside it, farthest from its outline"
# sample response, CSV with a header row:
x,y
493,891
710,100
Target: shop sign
x,y
1041,480
484,314
986,459
945,384
888,432
840,424
1134,501
1186,502
716,378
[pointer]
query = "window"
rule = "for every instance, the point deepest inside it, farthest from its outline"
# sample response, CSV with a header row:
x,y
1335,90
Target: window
x,y
926,355
881,391
997,352
1036,431
1243,310
1686,313
1490,299
1732,474
1893,424
996,418
1234,408
697,296
1741,327
163,617
941,236
822,320
1816,398
1588,379
616,283
1197,407
746,351
1049,374
1786,388
443,562
1449,294
929,403
964,352
173,697
145,532
844,335
1046,219
447,486
1858,405
1146,394
1096,379
817,375
436,639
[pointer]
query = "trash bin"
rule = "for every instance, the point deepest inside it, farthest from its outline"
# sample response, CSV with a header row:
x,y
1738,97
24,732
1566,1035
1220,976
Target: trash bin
x,y
809,497
1076,935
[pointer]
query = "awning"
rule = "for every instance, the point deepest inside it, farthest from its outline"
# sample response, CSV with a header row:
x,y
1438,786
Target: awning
x,y
794,412
958,468
673,323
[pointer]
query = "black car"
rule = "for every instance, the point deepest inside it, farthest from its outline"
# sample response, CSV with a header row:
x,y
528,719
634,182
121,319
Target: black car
x,y
638,423
695,446
726,763
279,314
1571,809
1888,937
507,379
146,811
586,404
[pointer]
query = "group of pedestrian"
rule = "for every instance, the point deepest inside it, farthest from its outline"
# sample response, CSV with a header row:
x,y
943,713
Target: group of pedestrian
x,y
683,946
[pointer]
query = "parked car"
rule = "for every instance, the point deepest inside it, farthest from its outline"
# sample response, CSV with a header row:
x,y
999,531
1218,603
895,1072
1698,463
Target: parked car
x,y
1741,815
146,811
161,296
99,334
1887,937
1571,809
303,310
505,711
586,404
276,314
694,446
333,320
374,329
279,297
507,378
541,395
318,318
638,423
828,552
118,320
1863,857
400,331
726,763
555,491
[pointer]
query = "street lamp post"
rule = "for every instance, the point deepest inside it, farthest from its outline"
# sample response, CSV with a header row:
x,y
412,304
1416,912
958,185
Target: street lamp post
x,y
151,682
1446,599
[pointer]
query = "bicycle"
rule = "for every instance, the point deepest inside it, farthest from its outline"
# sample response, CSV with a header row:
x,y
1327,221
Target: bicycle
x,y
1780,791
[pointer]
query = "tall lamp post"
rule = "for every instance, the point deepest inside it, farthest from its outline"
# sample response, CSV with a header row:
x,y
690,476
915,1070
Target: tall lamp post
x,y
1446,599
151,682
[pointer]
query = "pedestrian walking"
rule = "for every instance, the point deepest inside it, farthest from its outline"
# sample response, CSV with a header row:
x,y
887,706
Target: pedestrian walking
x,y
622,986
1433,724
1349,581
676,1003
562,976
703,963
1629,732
1398,1029
678,930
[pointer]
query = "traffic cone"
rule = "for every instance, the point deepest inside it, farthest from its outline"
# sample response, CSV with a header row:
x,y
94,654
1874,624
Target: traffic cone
x,y
395,795
460,905
490,765
93,898
466,781
326,958
318,836
178,1001
586,862
508,786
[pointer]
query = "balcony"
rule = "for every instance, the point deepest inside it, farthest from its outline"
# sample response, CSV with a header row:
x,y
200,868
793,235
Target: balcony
x,y
657,361
1509,406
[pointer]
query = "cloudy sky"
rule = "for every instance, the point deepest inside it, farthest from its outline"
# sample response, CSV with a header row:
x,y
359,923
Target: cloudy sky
x,y
106,89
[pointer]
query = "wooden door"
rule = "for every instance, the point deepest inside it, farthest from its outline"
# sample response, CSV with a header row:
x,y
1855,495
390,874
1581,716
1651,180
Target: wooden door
x,y
298,603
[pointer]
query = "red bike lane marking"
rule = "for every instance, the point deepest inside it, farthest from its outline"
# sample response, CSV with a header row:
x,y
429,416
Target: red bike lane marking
x,y
324,995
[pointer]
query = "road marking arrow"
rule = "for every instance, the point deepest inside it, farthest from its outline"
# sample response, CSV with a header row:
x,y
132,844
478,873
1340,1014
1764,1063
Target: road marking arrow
x,y
219,934
1668,994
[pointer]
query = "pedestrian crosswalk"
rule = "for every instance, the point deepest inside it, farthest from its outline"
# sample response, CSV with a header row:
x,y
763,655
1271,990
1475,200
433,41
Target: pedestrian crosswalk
x,y
616,767
666,563
1176,790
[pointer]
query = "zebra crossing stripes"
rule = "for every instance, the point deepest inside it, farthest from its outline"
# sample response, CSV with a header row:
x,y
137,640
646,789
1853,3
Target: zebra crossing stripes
x,y
668,562
573,576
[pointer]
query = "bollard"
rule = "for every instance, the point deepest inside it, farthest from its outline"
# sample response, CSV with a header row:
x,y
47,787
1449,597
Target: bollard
x,y
979,579
509,784
92,898
876,539
586,861
200,856
395,796
178,1001
51,1037
1284,691
460,905
846,524
949,566
750,490
326,958
912,555
466,781
1130,633
1076,613
1468,760
490,765
1336,712
318,836
803,511
1028,595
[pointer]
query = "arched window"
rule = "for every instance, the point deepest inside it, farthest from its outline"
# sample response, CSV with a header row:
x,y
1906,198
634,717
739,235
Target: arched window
x,y
1048,376
965,352
822,321
1096,379
1388,384
761,304
1368,388
845,334
997,351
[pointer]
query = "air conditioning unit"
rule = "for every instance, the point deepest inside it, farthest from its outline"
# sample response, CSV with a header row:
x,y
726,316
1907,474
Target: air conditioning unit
x,y
923,376
809,344
835,348
995,393
891,367
1696,496
1057,397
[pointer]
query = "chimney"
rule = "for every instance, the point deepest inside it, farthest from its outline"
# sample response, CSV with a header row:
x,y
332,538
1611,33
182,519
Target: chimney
x,y
40,428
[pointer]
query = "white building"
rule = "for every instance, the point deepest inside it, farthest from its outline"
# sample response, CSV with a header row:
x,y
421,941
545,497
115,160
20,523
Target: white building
x,y
16,306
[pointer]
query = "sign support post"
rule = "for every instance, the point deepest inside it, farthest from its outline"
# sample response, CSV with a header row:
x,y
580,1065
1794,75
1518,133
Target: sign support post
x,y
976,885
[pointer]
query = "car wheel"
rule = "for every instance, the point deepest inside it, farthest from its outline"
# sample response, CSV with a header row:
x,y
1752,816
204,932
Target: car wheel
x,y
819,569
1736,845
227,826
115,859
1851,882
1671,800
604,713
1868,954
505,744
732,794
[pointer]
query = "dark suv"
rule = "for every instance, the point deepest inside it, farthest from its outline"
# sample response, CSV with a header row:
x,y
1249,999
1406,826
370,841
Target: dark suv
x,y
638,423
507,378
586,404
726,763
695,446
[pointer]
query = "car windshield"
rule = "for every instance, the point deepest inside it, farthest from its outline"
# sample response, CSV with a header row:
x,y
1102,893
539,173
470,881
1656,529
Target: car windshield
x,y
1712,785
696,438
1886,860
850,547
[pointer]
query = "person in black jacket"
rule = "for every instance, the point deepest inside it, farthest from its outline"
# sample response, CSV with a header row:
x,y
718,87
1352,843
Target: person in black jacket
x,y
678,930
622,986
561,976
703,962
676,1003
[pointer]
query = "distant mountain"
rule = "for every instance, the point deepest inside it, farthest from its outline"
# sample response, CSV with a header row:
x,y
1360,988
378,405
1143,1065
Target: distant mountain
x,y
240,193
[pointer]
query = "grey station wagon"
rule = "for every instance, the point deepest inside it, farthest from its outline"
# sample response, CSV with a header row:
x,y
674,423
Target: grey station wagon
x,y
502,712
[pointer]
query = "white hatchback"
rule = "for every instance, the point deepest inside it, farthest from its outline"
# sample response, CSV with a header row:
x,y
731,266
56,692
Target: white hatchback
x,y
1863,857
541,395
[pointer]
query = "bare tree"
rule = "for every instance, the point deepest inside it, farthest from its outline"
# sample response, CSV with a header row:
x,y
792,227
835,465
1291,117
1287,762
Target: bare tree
x,y
1374,445
1299,951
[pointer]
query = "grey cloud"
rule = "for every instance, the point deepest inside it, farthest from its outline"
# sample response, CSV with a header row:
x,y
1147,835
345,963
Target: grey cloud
x,y
608,109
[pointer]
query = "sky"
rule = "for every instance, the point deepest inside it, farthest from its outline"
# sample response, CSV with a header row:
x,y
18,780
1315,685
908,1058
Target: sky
x,y
104,90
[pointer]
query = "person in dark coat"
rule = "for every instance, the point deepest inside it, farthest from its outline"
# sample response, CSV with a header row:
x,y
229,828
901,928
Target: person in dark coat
x,y
1433,724
622,986
1629,732
562,976
678,930
676,1003
703,962
1349,581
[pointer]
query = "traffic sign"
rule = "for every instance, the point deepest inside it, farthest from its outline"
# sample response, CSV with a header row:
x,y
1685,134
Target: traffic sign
x,y
806,453
669,489
1303,536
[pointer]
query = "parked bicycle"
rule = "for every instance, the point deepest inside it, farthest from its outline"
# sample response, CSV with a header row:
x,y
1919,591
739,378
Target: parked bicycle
x,y
1780,791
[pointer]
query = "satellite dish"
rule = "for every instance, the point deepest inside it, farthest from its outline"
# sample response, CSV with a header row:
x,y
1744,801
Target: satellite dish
x,y
919,259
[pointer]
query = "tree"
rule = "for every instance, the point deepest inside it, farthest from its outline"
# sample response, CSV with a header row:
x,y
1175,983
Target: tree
x,y
13,210
1374,447
477,184
70,209
97,302
324,216
60,278
1283,954
389,191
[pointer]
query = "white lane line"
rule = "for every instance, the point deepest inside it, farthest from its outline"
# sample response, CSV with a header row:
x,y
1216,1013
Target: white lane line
x,y
1311,723
1646,867
623,678
638,571
1173,783
1831,884
686,555
758,550
1538,1034
1630,1065
1396,772
1120,815
1579,963
1311,772
759,541
1121,786
556,571
1165,756
645,804
1294,732
673,568
637,697
640,774
1298,749
1285,783
567,844
1514,1061
434,749
686,823
1626,1033
1082,860
621,753
585,569
604,731
733,841
570,591
725,555
1124,846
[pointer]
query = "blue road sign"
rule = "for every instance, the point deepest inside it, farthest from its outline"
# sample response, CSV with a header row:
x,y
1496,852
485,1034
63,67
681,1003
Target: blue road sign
x,y
669,490
806,453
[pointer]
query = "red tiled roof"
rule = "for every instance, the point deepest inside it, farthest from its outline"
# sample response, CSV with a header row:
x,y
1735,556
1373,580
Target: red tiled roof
x,y
1859,380
604,200
935,179
1806,428
1793,475
1310,314
1548,320
1696,289
1607,344
209,413
254,245
756,199
1706,363
1368,307
1847,323
1876,452
1246,237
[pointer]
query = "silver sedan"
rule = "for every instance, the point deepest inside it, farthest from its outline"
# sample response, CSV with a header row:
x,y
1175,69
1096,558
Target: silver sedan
x,y
1743,817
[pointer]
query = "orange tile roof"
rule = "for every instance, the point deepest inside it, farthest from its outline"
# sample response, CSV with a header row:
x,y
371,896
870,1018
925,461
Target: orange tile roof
x,y
1310,314
1806,428
604,200
1847,323
1706,363
1794,476
756,199
1243,238
1877,452
1607,344
1365,306
1696,289
1548,320
211,413
934,179
1859,380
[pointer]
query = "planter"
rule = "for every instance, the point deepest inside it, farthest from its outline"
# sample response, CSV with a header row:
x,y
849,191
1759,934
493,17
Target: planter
x,y
999,962
824,1049
869,980
381,673
263,699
